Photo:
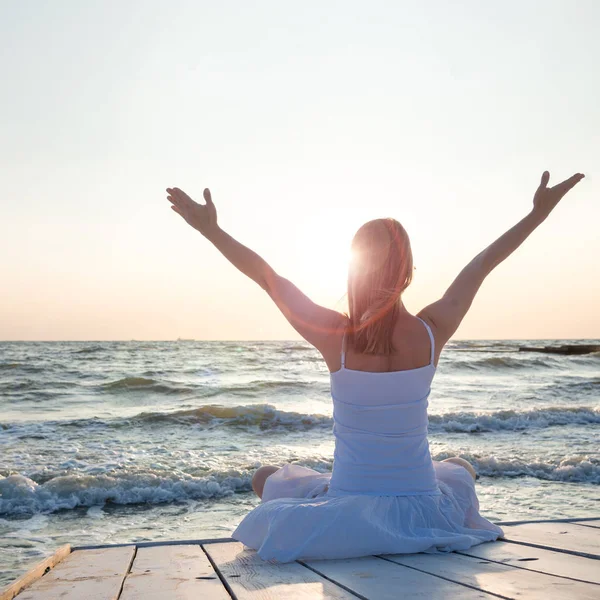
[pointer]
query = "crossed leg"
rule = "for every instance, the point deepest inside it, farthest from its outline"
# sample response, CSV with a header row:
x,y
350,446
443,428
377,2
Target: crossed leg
x,y
259,478
463,463
261,474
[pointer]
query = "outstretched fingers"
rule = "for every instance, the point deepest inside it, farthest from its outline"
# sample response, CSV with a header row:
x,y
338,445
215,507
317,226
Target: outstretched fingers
x,y
568,184
179,197
172,198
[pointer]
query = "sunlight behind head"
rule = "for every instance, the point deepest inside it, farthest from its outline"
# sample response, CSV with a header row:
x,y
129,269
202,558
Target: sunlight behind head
x,y
381,269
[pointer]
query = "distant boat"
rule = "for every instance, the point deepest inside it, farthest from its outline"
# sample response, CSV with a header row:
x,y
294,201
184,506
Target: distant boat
x,y
185,340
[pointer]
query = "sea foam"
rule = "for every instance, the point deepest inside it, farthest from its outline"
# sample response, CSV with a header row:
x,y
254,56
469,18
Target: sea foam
x,y
20,495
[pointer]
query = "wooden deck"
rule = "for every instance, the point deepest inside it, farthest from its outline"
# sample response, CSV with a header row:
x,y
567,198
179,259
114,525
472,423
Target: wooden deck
x,y
537,559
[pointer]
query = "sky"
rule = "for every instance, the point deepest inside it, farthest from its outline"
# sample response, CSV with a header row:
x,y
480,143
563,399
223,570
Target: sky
x,y
305,120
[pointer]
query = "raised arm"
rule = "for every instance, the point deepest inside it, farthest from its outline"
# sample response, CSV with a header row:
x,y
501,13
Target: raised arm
x,y
314,323
446,314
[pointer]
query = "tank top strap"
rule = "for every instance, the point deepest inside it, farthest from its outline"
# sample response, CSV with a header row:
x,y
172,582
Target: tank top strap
x,y
343,355
431,340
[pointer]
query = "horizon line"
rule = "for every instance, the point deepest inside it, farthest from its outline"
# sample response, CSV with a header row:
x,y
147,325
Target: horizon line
x,y
3,341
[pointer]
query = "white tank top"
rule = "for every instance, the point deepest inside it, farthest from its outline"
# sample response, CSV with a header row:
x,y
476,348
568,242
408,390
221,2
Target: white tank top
x,y
380,427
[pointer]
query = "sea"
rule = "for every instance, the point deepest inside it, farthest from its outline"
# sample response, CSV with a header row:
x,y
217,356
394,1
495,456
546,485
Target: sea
x,y
112,442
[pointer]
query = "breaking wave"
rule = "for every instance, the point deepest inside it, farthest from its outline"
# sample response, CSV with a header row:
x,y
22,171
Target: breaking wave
x,y
502,363
514,420
251,389
20,495
266,417
574,469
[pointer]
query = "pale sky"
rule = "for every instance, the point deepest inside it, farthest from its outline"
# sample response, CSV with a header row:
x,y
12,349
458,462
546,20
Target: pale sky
x,y
305,120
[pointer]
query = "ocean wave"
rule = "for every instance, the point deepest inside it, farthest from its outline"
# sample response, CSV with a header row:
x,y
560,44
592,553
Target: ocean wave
x,y
266,417
483,346
11,365
251,389
566,389
129,382
514,420
20,495
262,416
574,469
296,348
90,350
499,363
144,384
40,387
585,359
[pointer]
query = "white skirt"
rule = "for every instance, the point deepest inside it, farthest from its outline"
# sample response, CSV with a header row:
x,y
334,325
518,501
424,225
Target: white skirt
x,y
300,519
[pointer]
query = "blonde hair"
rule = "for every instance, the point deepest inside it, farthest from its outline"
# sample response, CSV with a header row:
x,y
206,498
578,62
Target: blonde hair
x,y
381,269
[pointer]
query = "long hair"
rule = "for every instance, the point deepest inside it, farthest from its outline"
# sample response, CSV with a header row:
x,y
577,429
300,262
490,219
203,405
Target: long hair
x,y
381,269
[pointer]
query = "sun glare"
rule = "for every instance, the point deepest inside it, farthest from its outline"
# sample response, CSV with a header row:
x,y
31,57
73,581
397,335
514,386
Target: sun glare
x,y
322,266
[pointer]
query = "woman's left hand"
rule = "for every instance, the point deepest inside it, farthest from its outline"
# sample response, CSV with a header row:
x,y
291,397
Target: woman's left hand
x,y
202,217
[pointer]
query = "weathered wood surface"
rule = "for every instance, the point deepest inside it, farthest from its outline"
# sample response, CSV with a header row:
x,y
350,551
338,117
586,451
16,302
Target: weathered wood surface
x,y
373,577
251,578
539,560
496,578
89,575
569,537
9,592
175,572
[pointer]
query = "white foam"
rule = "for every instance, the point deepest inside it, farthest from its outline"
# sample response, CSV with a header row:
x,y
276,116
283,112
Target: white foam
x,y
21,495
514,420
575,469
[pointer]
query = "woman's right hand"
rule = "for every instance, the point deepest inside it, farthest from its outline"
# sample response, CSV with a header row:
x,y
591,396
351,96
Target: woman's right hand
x,y
202,217
546,198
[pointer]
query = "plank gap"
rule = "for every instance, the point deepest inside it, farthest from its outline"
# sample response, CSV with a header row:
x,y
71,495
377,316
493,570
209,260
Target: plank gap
x,y
341,585
450,580
563,550
524,568
590,525
219,574
127,572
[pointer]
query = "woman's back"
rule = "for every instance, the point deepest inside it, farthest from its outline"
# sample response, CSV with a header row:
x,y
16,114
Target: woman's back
x,y
413,348
380,426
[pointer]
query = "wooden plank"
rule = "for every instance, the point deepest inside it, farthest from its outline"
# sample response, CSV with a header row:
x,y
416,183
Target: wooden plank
x,y
153,544
251,578
568,537
176,572
538,559
89,574
10,591
379,579
504,580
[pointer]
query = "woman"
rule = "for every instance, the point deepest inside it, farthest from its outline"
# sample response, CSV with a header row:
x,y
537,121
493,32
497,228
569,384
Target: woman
x,y
385,494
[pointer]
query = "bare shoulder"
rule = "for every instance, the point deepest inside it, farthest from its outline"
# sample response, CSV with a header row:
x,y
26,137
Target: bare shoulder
x,y
329,342
433,315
